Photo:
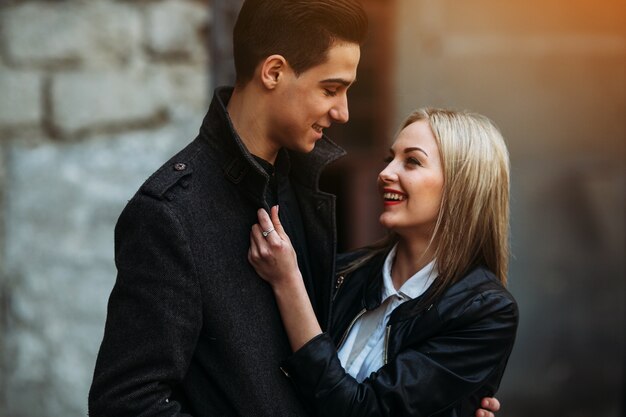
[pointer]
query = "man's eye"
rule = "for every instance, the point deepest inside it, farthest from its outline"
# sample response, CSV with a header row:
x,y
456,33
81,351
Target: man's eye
x,y
330,93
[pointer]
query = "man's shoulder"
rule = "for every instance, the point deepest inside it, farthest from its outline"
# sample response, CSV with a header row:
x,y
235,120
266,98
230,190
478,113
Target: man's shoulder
x,y
176,174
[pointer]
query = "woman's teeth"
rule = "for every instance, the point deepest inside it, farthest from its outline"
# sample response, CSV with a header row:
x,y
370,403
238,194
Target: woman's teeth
x,y
393,196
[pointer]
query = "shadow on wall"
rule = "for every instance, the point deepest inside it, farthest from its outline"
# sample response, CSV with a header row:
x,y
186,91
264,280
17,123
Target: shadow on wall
x,y
567,275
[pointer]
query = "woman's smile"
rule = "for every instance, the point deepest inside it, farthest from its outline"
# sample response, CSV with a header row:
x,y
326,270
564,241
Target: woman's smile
x,y
392,197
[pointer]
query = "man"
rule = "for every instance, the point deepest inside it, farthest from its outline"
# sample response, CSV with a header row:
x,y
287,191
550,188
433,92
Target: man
x,y
191,330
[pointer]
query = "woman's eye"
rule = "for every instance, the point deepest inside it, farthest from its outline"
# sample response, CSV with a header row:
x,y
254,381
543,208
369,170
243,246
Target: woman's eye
x,y
413,161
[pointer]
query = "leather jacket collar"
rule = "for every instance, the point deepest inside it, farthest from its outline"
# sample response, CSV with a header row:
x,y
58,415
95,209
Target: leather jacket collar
x,y
370,279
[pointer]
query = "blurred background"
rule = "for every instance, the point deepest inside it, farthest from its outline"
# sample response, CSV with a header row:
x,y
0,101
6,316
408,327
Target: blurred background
x,y
96,94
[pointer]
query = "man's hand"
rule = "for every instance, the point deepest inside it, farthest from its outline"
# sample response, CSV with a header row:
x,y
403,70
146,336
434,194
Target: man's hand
x,y
489,407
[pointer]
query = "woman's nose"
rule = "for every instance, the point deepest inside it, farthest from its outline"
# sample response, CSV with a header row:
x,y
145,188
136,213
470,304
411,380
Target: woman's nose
x,y
387,175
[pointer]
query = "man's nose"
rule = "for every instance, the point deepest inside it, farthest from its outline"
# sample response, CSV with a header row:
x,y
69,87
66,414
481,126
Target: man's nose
x,y
339,112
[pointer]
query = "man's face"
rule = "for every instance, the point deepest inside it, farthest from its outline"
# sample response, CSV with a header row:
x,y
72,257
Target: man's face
x,y
304,105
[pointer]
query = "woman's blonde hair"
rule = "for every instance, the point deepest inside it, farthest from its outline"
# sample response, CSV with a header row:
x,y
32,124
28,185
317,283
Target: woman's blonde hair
x,y
472,228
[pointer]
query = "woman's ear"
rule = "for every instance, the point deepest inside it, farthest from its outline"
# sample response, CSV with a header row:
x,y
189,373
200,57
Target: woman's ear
x,y
272,70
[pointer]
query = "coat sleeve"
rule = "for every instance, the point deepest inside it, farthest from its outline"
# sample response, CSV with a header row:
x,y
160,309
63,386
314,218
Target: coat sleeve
x,y
421,380
154,316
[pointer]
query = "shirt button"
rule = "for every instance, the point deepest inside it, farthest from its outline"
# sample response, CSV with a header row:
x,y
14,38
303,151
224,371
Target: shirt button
x,y
180,166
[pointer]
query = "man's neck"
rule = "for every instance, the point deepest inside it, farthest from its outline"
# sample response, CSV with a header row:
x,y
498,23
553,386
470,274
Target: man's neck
x,y
246,110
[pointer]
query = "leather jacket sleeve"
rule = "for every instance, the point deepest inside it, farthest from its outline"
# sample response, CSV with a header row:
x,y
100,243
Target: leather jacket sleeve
x,y
154,316
472,345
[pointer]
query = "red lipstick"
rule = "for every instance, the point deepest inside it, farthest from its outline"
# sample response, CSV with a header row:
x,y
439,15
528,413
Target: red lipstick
x,y
393,197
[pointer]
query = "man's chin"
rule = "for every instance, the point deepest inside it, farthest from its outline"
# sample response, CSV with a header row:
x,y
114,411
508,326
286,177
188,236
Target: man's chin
x,y
308,147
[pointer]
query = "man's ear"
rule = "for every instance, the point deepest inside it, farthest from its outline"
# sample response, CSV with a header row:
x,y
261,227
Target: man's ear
x,y
272,70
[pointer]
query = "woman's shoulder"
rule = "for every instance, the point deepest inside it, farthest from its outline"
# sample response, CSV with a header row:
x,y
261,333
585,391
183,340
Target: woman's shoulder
x,y
479,292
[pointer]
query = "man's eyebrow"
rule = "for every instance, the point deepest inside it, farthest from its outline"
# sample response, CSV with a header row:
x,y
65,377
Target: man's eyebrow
x,y
416,148
341,81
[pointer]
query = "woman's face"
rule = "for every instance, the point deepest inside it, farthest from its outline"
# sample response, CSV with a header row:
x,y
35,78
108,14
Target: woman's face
x,y
412,183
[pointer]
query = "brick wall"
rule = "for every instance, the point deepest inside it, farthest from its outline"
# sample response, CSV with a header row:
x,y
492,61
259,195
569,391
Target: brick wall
x,y
94,96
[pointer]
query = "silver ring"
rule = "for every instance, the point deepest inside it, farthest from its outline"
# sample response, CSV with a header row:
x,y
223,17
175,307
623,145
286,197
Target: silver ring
x,y
267,232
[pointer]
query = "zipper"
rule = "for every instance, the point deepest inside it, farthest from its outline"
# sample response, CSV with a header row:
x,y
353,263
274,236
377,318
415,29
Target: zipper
x,y
338,285
345,334
386,344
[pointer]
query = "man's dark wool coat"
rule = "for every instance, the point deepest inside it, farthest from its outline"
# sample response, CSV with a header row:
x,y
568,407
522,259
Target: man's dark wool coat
x,y
191,329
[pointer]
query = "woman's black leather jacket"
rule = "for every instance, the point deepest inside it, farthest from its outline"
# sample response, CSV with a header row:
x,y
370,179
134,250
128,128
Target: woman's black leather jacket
x,y
440,359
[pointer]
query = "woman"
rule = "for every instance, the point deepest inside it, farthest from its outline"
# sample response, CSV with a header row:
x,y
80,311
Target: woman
x,y
422,324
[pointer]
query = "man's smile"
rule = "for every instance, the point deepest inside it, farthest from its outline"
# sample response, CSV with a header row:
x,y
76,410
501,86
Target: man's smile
x,y
318,128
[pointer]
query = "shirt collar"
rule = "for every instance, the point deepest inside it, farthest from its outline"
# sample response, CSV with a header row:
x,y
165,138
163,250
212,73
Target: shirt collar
x,y
281,166
414,286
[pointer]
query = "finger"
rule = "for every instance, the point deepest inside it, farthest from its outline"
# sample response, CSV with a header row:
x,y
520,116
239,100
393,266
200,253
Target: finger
x,y
260,244
253,251
276,221
483,413
492,404
269,231
255,232
255,238
264,219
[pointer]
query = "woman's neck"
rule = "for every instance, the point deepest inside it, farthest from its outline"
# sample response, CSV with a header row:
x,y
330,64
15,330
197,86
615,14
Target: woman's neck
x,y
411,256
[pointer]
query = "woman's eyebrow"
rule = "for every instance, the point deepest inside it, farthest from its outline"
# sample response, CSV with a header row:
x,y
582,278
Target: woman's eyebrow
x,y
416,148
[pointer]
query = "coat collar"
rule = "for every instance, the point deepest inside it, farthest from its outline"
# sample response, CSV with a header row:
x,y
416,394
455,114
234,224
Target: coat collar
x,y
240,167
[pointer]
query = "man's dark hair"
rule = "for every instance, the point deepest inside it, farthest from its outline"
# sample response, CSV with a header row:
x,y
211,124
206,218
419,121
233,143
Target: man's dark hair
x,y
300,30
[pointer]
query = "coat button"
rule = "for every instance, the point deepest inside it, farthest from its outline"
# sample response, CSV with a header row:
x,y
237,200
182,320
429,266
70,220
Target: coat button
x,y
180,166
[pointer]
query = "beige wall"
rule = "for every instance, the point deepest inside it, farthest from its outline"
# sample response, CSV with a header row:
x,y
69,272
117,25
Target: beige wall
x,y
551,74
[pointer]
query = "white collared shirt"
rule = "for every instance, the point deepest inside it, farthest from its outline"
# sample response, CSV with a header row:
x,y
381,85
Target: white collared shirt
x,y
361,364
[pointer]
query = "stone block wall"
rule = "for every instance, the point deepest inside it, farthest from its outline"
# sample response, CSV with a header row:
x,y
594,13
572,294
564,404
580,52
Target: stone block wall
x,y
94,96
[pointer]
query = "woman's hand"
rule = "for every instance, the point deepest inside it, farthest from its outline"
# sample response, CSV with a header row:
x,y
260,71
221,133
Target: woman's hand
x,y
274,259
271,253
489,407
